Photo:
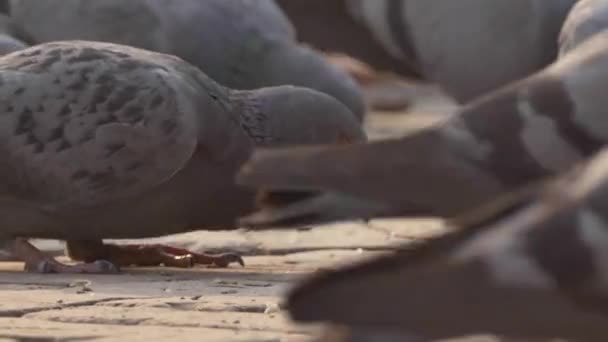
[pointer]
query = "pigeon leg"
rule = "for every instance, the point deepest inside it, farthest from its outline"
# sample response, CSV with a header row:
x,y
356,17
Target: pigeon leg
x,y
146,255
37,261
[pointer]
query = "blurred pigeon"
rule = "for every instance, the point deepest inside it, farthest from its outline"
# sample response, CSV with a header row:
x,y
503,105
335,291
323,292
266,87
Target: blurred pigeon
x,y
252,41
531,268
518,134
8,33
469,47
438,40
330,26
101,140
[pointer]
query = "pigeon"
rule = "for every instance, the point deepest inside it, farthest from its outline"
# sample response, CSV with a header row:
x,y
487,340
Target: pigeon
x,y
106,141
523,132
528,268
468,47
253,42
586,18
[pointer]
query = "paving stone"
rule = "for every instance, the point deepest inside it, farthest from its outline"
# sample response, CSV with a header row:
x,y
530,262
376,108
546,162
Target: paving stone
x,y
44,330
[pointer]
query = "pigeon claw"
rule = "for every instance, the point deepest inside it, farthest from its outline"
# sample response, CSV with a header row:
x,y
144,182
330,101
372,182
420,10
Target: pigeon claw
x,y
146,255
37,261
218,260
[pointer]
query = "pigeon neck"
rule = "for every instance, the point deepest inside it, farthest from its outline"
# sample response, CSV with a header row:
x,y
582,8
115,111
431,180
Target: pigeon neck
x,y
290,64
248,111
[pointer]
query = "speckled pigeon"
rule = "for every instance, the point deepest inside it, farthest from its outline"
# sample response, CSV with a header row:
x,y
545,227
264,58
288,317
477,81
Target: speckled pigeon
x,y
252,42
101,140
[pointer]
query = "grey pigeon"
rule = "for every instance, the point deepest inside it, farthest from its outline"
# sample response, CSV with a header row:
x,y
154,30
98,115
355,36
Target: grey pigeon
x,y
518,134
242,44
530,268
101,140
469,47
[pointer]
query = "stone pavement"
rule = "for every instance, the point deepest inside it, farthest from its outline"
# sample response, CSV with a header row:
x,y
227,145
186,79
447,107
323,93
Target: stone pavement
x,y
203,304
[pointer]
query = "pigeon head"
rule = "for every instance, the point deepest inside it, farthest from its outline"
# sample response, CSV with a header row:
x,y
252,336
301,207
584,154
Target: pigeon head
x,y
301,66
297,116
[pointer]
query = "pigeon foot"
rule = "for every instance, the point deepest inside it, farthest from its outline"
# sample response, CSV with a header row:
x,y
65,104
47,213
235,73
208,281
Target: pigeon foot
x,y
39,262
147,255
